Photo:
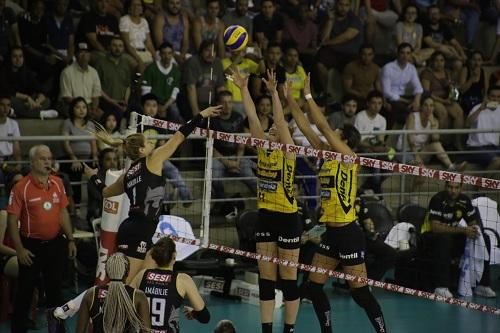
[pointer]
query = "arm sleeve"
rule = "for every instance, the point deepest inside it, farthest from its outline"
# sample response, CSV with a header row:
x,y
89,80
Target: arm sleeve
x,y
15,202
189,72
96,86
124,24
415,81
386,84
435,212
65,85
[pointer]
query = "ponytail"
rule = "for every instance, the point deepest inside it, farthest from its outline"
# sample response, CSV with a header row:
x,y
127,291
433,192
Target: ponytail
x,y
102,135
119,310
132,143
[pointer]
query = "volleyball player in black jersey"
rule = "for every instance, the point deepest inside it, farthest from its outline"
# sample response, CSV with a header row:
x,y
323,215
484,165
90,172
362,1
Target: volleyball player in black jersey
x,y
166,289
144,186
343,241
279,228
114,307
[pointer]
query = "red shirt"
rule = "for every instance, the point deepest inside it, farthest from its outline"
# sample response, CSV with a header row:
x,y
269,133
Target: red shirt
x,y
38,208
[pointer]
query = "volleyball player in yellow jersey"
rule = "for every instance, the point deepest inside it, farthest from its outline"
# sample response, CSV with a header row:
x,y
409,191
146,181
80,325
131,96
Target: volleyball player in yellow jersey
x,y
278,228
343,241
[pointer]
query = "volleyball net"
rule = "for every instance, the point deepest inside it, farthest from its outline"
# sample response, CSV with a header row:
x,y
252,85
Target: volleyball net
x,y
219,204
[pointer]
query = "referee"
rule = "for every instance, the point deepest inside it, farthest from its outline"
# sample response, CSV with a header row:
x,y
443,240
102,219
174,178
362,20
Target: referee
x,y
38,202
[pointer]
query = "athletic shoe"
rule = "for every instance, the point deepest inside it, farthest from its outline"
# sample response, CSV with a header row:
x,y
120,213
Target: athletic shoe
x,y
484,291
444,292
48,114
54,325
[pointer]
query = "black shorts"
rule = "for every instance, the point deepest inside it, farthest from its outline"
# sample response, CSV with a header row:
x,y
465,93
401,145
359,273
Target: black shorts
x,y
3,261
282,228
134,237
346,243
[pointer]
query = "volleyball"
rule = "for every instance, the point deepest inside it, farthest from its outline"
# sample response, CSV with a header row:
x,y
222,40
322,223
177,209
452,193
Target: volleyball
x,y
235,37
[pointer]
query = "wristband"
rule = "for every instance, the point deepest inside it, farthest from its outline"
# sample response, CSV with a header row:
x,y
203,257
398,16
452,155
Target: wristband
x,y
98,183
308,96
188,127
203,316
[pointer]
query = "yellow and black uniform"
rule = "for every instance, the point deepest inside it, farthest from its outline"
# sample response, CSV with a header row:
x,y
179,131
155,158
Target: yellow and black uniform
x,y
278,219
338,195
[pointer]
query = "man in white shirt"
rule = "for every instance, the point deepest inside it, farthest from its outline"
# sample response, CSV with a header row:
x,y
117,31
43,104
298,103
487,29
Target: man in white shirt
x,y
370,120
485,116
9,150
401,86
80,79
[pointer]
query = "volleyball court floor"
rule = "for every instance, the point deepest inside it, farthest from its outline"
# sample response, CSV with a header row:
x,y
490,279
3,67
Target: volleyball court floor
x,y
402,313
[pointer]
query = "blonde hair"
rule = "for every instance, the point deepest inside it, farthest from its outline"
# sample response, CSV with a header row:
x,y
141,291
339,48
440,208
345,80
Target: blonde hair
x,y
132,143
119,310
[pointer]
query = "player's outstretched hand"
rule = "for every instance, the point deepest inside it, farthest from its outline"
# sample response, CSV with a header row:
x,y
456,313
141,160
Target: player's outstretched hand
x,y
236,77
211,111
188,312
271,82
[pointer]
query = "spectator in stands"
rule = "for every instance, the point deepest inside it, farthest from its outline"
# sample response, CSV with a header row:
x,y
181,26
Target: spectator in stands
x,y
80,79
225,326
115,74
408,30
227,155
197,77
397,77
46,61
438,36
361,76
347,115
150,107
267,25
370,120
108,160
340,39
496,48
9,150
264,108
210,27
97,27
379,12
76,151
422,146
246,66
136,35
9,31
473,82
294,72
18,81
485,116
172,25
272,58
61,31
9,265
164,78
37,219
301,31
466,13
438,81
444,239
239,16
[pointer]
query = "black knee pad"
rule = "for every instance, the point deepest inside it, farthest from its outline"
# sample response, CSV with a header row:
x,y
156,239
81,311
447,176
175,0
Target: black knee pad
x,y
364,298
290,290
266,289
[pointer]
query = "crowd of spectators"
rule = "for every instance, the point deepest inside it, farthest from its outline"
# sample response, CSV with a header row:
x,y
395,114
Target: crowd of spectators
x,y
90,61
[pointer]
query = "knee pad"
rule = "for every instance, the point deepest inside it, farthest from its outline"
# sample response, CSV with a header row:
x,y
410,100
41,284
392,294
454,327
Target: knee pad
x,y
290,290
266,289
364,298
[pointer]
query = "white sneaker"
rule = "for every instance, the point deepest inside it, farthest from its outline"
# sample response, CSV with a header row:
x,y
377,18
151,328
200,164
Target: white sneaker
x,y
444,292
483,291
48,114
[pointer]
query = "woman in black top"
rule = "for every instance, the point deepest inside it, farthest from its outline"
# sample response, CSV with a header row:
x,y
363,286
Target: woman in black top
x,y
473,82
144,186
114,307
167,289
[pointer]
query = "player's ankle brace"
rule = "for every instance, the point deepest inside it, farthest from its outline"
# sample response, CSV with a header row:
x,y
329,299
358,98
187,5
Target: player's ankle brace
x,y
266,289
267,327
290,290
321,305
289,328
364,298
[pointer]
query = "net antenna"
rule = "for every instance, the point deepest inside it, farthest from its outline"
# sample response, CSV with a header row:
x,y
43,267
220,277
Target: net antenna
x,y
207,185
